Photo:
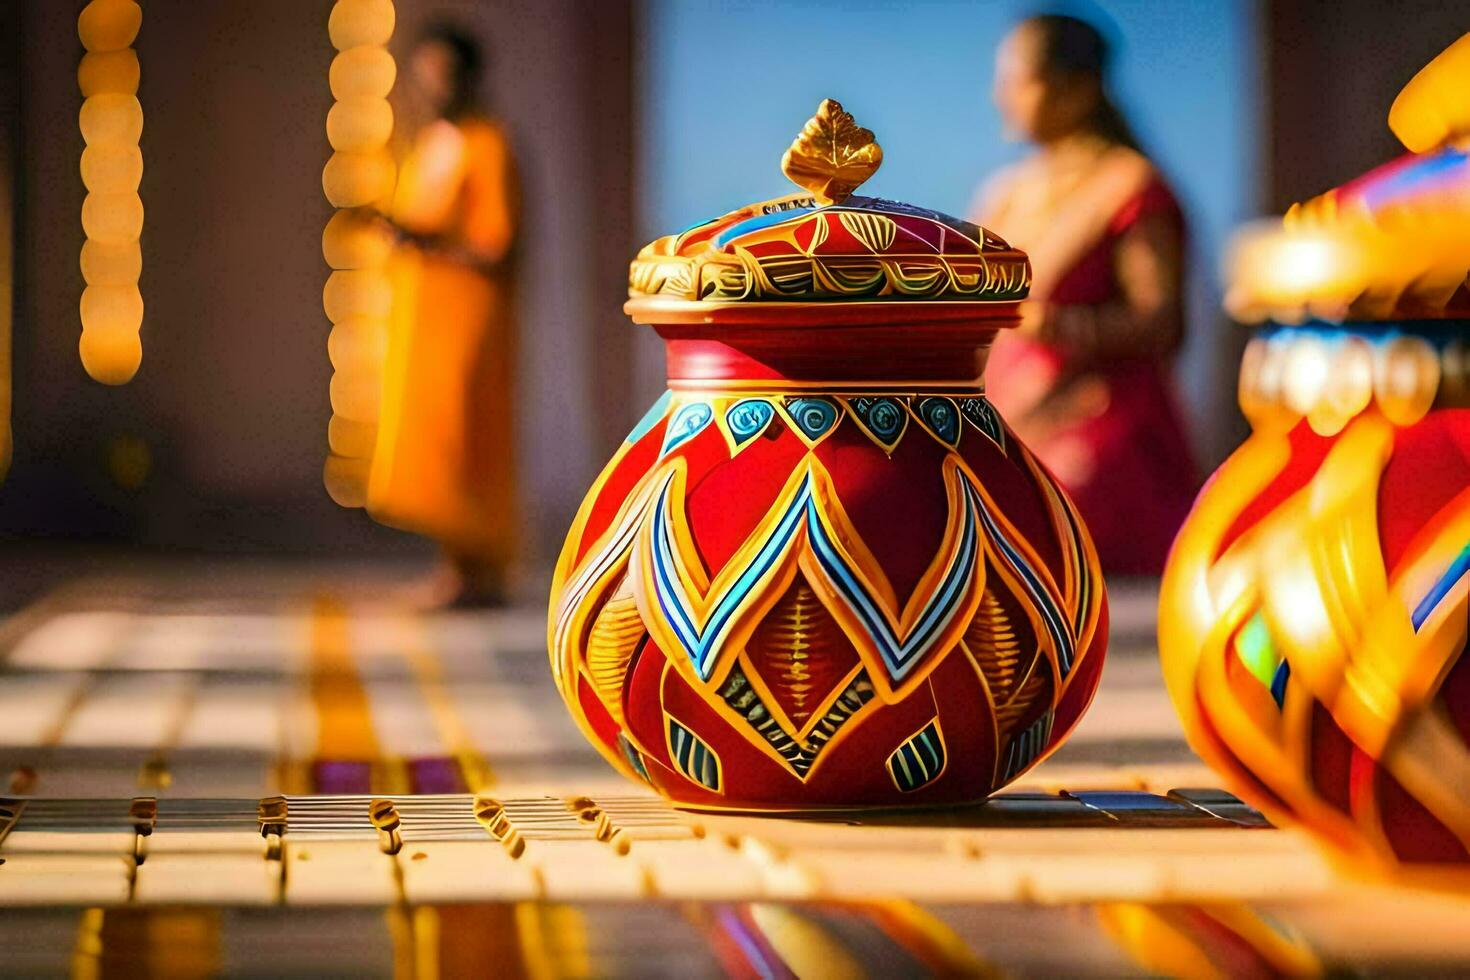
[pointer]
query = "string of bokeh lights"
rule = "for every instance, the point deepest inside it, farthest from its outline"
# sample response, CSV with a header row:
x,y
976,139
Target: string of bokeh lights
x,y
358,295
111,121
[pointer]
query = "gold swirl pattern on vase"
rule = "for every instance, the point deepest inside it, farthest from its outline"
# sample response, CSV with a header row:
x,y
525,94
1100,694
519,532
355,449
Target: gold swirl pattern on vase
x,y
1297,616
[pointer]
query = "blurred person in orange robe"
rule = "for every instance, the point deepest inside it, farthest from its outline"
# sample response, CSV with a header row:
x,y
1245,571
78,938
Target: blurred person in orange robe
x,y
445,463
1086,380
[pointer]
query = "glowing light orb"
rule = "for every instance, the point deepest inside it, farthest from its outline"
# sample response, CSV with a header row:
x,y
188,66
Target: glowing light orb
x,y
352,439
362,73
111,356
109,25
108,168
112,218
112,308
346,480
111,118
111,263
357,296
111,121
356,292
359,124
108,73
353,242
358,343
360,22
356,398
354,180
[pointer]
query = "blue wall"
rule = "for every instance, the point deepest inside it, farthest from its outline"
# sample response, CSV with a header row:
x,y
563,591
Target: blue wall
x,y
726,84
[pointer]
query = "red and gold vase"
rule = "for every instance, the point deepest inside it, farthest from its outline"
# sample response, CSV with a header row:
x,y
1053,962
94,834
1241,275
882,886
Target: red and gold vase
x,y
822,572
1313,612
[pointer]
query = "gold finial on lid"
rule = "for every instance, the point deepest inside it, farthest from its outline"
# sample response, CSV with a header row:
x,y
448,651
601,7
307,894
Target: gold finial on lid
x,y
832,155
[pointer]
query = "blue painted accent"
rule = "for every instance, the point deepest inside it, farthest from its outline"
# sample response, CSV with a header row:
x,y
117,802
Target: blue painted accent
x,y
1441,588
692,757
650,418
1027,745
1278,683
941,415
635,759
687,423
917,762
813,416
748,418
1056,623
1437,333
984,417
700,224
857,205
900,656
761,221
1428,171
884,417
701,645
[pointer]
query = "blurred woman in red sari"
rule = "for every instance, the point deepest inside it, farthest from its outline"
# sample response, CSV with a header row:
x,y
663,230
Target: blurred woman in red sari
x,y
1085,381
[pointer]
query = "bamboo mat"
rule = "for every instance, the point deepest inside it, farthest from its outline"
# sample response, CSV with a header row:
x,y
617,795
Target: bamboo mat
x,y
213,772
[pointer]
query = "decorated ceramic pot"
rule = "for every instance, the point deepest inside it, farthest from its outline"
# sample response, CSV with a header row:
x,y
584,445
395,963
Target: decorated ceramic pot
x,y
1313,612
821,572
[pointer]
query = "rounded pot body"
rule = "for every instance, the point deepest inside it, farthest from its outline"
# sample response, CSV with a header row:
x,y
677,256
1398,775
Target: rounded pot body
x,y
821,572
1313,611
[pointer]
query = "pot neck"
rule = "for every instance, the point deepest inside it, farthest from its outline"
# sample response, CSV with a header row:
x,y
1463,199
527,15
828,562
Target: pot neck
x,y
948,355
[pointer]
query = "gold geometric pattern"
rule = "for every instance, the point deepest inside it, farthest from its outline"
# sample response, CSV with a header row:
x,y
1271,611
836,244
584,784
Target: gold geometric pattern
x,y
615,635
800,653
995,645
1036,688
876,231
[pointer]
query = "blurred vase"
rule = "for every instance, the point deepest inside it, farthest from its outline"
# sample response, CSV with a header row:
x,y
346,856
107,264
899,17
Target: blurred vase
x,y
821,572
1313,611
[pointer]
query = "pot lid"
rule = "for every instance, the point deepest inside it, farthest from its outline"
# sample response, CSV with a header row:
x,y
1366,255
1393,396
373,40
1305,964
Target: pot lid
x,y
825,245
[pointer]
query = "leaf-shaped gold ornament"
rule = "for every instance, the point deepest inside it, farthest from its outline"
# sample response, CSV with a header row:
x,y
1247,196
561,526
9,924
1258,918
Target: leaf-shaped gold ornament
x,y
832,155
